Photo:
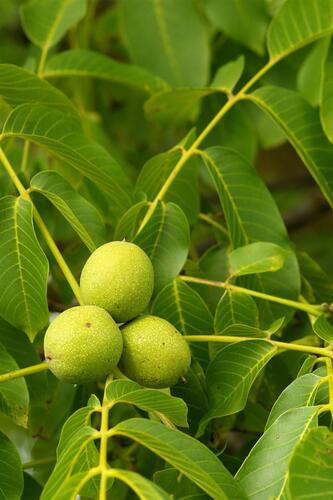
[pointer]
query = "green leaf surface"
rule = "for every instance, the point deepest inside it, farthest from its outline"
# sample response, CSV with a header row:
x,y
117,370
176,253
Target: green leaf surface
x,y
301,392
311,73
232,17
86,63
184,308
177,105
264,473
317,280
193,392
235,308
79,419
11,475
129,223
178,485
230,376
259,257
301,124
14,395
184,191
326,107
142,487
19,86
71,486
184,453
227,76
45,22
81,214
323,327
248,222
149,400
165,239
298,23
20,348
23,268
311,467
64,139
67,460
175,50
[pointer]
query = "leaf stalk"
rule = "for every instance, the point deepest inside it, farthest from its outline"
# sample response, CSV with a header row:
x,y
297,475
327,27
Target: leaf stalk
x,y
319,351
187,154
314,310
23,372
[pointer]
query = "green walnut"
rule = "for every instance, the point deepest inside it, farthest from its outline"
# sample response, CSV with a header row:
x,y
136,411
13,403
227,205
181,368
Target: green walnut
x,y
155,354
83,344
119,277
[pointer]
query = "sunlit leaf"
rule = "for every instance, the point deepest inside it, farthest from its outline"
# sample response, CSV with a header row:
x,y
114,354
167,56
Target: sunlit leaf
x,y
259,257
248,223
82,215
67,460
323,327
264,472
230,376
185,309
64,139
301,392
143,488
311,467
235,308
14,396
184,191
11,475
165,239
298,23
179,450
301,124
23,268
150,400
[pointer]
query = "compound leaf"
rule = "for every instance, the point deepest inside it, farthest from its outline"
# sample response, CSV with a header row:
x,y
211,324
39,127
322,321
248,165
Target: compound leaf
x,y
264,472
184,453
64,139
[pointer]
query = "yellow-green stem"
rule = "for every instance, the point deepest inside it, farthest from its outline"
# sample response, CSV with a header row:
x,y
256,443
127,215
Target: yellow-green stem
x,y
23,372
226,339
42,61
103,452
43,229
232,100
315,310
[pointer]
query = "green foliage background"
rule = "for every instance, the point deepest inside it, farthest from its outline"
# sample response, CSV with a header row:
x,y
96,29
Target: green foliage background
x,y
202,131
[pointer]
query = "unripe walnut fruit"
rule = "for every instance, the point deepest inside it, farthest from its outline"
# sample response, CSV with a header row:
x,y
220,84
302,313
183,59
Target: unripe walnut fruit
x,y
119,277
155,354
82,344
